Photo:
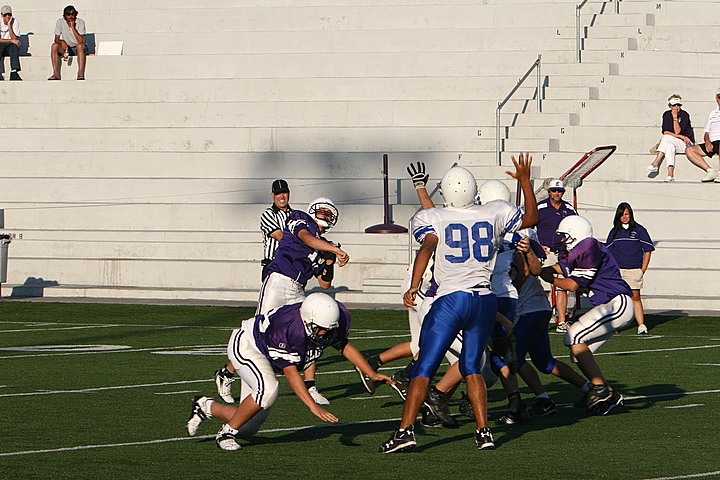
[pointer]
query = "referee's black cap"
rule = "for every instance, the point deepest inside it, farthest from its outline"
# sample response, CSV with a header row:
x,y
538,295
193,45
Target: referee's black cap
x,y
280,186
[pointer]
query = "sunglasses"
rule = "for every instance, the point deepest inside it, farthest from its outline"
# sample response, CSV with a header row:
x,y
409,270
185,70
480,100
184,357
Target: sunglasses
x,y
555,190
71,14
7,14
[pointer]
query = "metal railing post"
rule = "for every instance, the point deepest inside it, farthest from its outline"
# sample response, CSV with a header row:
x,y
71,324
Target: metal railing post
x,y
497,134
536,64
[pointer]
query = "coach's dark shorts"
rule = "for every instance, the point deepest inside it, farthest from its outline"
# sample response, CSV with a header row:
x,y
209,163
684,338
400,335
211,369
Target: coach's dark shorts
x,y
716,148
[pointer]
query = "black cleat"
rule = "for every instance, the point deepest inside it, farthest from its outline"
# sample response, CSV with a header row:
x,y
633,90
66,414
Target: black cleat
x,y
517,411
399,441
541,407
466,407
484,439
402,383
430,420
366,381
596,395
437,403
606,406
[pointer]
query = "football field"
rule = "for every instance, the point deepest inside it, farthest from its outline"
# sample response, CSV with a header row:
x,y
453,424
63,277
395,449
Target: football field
x,y
103,391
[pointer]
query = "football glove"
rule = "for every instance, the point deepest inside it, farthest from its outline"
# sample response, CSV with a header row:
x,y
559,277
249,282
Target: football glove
x,y
418,175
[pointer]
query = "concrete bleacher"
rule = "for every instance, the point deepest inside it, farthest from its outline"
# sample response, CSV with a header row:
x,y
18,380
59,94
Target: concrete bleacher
x,y
147,180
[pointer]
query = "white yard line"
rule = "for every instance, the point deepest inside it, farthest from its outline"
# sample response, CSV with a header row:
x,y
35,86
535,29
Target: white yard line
x,y
311,427
694,475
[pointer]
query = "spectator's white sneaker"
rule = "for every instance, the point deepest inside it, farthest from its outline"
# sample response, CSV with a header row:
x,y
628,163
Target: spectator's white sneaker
x,y
642,330
669,179
318,397
651,169
717,179
710,175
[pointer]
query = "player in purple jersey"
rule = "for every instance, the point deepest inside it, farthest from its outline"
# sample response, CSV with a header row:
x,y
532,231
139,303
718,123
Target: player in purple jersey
x,y
284,341
302,254
590,266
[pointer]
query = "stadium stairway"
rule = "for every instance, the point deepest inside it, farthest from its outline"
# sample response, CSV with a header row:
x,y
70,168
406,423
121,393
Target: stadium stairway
x,y
146,181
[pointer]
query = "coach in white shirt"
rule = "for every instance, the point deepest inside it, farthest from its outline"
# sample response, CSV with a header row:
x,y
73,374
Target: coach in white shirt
x,y
711,145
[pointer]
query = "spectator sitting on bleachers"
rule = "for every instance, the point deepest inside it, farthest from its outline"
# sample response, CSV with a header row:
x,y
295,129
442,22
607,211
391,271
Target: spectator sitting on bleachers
x,y
69,40
710,146
677,133
10,40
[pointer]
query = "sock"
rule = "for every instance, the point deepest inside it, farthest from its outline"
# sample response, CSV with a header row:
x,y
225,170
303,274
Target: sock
x,y
514,402
375,362
206,407
543,395
228,429
407,371
309,384
586,387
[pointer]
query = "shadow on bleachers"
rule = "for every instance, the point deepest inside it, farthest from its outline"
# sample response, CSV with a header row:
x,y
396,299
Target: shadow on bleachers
x,y
33,287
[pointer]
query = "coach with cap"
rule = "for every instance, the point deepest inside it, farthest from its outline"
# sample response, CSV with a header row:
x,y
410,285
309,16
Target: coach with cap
x,y
551,211
272,222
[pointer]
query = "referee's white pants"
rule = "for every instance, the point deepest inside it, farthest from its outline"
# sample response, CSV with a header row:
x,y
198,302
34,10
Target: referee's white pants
x,y
600,323
278,290
670,145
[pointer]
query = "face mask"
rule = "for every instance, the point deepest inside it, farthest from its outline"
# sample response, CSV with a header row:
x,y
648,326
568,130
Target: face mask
x,y
626,225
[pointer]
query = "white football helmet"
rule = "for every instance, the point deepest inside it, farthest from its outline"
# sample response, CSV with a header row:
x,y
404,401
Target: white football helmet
x,y
573,229
458,187
493,190
329,214
320,311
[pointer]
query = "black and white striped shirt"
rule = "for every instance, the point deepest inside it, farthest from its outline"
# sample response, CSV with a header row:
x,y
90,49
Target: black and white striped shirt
x,y
272,219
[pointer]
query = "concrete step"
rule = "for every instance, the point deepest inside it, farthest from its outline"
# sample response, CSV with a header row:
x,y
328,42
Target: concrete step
x,y
644,63
297,65
239,166
260,114
342,139
326,41
324,17
397,88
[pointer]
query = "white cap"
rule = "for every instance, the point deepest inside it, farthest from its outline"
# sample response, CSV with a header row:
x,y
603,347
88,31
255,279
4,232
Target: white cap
x,y
677,101
6,9
557,183
718,91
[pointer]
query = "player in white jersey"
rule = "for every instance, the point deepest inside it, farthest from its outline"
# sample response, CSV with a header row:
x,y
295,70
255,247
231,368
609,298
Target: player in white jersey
x,y
463,237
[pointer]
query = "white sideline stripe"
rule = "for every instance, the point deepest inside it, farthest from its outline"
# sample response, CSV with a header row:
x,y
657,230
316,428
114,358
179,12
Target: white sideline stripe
x,y
311,427
335,372
694,475
176,393
63,354
653,350
100,389
708,364
57,328
371,397
690,405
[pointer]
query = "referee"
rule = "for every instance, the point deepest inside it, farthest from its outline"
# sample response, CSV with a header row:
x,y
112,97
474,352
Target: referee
x,y
272,222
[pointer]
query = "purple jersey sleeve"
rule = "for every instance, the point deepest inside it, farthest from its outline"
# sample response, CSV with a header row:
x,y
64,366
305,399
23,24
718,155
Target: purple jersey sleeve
x,y
593,268
293,258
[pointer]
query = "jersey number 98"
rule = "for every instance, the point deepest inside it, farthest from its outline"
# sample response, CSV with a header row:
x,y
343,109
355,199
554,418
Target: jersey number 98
x,y
482,246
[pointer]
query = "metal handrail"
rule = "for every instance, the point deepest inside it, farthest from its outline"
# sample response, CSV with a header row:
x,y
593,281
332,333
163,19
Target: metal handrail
x,y
578,39
536,64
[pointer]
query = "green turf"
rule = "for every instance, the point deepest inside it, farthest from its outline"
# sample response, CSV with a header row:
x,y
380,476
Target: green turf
x,y
644,439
